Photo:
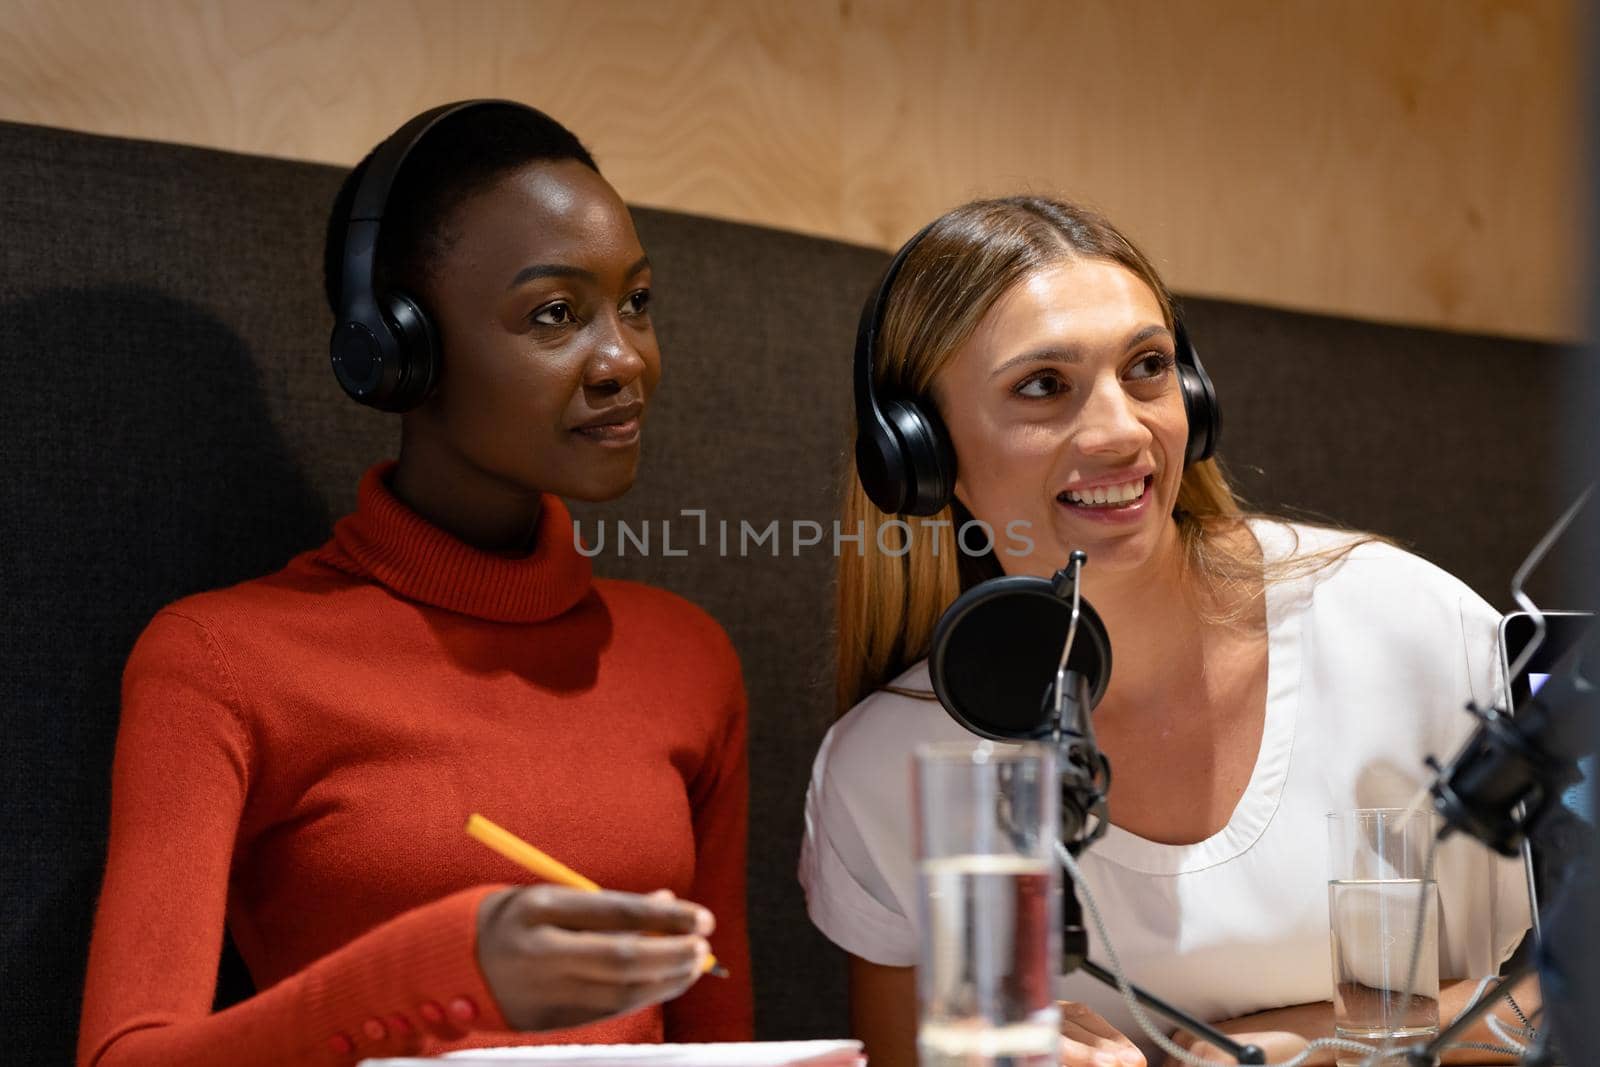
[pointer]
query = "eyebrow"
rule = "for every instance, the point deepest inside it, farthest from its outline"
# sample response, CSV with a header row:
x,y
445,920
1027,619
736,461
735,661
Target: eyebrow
x,y
1072,353
562,270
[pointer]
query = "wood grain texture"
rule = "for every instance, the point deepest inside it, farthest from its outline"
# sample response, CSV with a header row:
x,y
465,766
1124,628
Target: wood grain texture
x,y
1416,161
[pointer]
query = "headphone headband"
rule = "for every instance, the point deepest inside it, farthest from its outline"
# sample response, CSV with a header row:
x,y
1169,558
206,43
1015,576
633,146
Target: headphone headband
x,y
871,325
903,452
383,349
372,196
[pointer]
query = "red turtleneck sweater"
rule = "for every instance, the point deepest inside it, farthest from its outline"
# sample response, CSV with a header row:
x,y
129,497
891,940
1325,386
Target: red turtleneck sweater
x,y
298,756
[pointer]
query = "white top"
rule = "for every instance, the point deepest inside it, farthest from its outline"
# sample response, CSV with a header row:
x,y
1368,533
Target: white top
x,y
1370,663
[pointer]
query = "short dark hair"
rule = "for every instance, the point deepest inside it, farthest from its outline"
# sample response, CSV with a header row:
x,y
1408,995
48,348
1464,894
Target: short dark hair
x,y
457,158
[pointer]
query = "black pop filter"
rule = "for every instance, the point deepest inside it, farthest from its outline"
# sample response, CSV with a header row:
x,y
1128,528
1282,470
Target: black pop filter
x,y
996,650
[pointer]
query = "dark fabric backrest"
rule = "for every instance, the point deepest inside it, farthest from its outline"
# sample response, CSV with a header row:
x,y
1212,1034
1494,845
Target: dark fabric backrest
x,y
1449,443
168,423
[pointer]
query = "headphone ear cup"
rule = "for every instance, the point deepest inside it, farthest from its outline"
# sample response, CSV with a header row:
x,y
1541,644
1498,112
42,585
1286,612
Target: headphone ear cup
x,y
929,460
1199,400
364,358
1200,405
881,466
418,347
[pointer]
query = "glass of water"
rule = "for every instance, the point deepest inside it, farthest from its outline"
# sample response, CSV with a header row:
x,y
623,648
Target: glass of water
x,y
1383,906
986,817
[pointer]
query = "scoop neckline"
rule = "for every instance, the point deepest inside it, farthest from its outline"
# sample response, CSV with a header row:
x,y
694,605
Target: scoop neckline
x,y
1264,791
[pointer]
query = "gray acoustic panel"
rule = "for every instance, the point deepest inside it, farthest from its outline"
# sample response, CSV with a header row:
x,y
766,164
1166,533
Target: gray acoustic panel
x,y
1447,442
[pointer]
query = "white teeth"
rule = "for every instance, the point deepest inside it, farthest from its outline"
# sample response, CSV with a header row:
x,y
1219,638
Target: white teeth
x,y
1107,495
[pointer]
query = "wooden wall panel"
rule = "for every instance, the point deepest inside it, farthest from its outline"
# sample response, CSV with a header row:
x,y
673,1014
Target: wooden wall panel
x,y
1415,161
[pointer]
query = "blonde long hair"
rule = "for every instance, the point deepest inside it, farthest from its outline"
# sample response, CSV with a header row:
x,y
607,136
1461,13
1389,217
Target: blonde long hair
x,y
890,601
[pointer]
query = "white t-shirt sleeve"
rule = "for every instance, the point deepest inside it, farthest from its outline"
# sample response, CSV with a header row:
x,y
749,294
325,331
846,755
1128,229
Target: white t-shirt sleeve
x,y
836,870
856,859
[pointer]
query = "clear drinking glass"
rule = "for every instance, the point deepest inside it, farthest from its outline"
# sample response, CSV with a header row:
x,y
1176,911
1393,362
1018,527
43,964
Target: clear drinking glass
x,y
1376,893
990,926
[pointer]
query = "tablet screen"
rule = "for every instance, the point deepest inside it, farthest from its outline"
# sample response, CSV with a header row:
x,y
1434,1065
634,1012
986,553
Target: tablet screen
x,y
1563,630
1563,832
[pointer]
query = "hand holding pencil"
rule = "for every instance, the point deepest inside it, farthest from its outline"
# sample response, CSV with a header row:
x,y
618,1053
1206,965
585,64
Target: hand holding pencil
x,y
546,866
562,955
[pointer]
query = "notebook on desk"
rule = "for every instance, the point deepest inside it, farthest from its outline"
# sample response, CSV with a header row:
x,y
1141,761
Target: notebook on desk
x,y
724,1054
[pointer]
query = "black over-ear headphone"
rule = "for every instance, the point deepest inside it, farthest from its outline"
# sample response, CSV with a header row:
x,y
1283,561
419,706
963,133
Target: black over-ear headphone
x,y
903,452
385,352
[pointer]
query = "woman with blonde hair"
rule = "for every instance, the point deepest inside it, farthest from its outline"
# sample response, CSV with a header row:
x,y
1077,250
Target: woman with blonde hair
x,y
1040,397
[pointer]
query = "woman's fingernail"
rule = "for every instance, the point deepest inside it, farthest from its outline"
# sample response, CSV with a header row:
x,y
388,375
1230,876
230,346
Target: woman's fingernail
x,y
1104,1059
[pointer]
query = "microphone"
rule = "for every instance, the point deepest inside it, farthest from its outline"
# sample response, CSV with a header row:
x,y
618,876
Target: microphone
x,y
1027,659
1504,786
1524,761
1510,773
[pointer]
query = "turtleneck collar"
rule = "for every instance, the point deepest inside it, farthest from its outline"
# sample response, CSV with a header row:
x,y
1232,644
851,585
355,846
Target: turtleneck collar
x,y
392,544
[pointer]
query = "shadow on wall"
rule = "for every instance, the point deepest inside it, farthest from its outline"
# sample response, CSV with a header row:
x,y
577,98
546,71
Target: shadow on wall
x,y
140,466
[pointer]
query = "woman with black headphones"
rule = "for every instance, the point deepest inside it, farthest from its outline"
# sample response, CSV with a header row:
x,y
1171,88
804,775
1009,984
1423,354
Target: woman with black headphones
x,y
298,755
1024,389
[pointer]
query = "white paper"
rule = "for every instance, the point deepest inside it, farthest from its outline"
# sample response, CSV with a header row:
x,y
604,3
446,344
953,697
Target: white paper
x,y
724,1054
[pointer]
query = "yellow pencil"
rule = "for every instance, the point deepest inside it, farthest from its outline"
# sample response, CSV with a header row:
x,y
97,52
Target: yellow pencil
x,y
550,869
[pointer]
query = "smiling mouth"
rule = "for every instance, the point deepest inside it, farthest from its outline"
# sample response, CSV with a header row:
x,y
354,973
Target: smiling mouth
x,y
1108,497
